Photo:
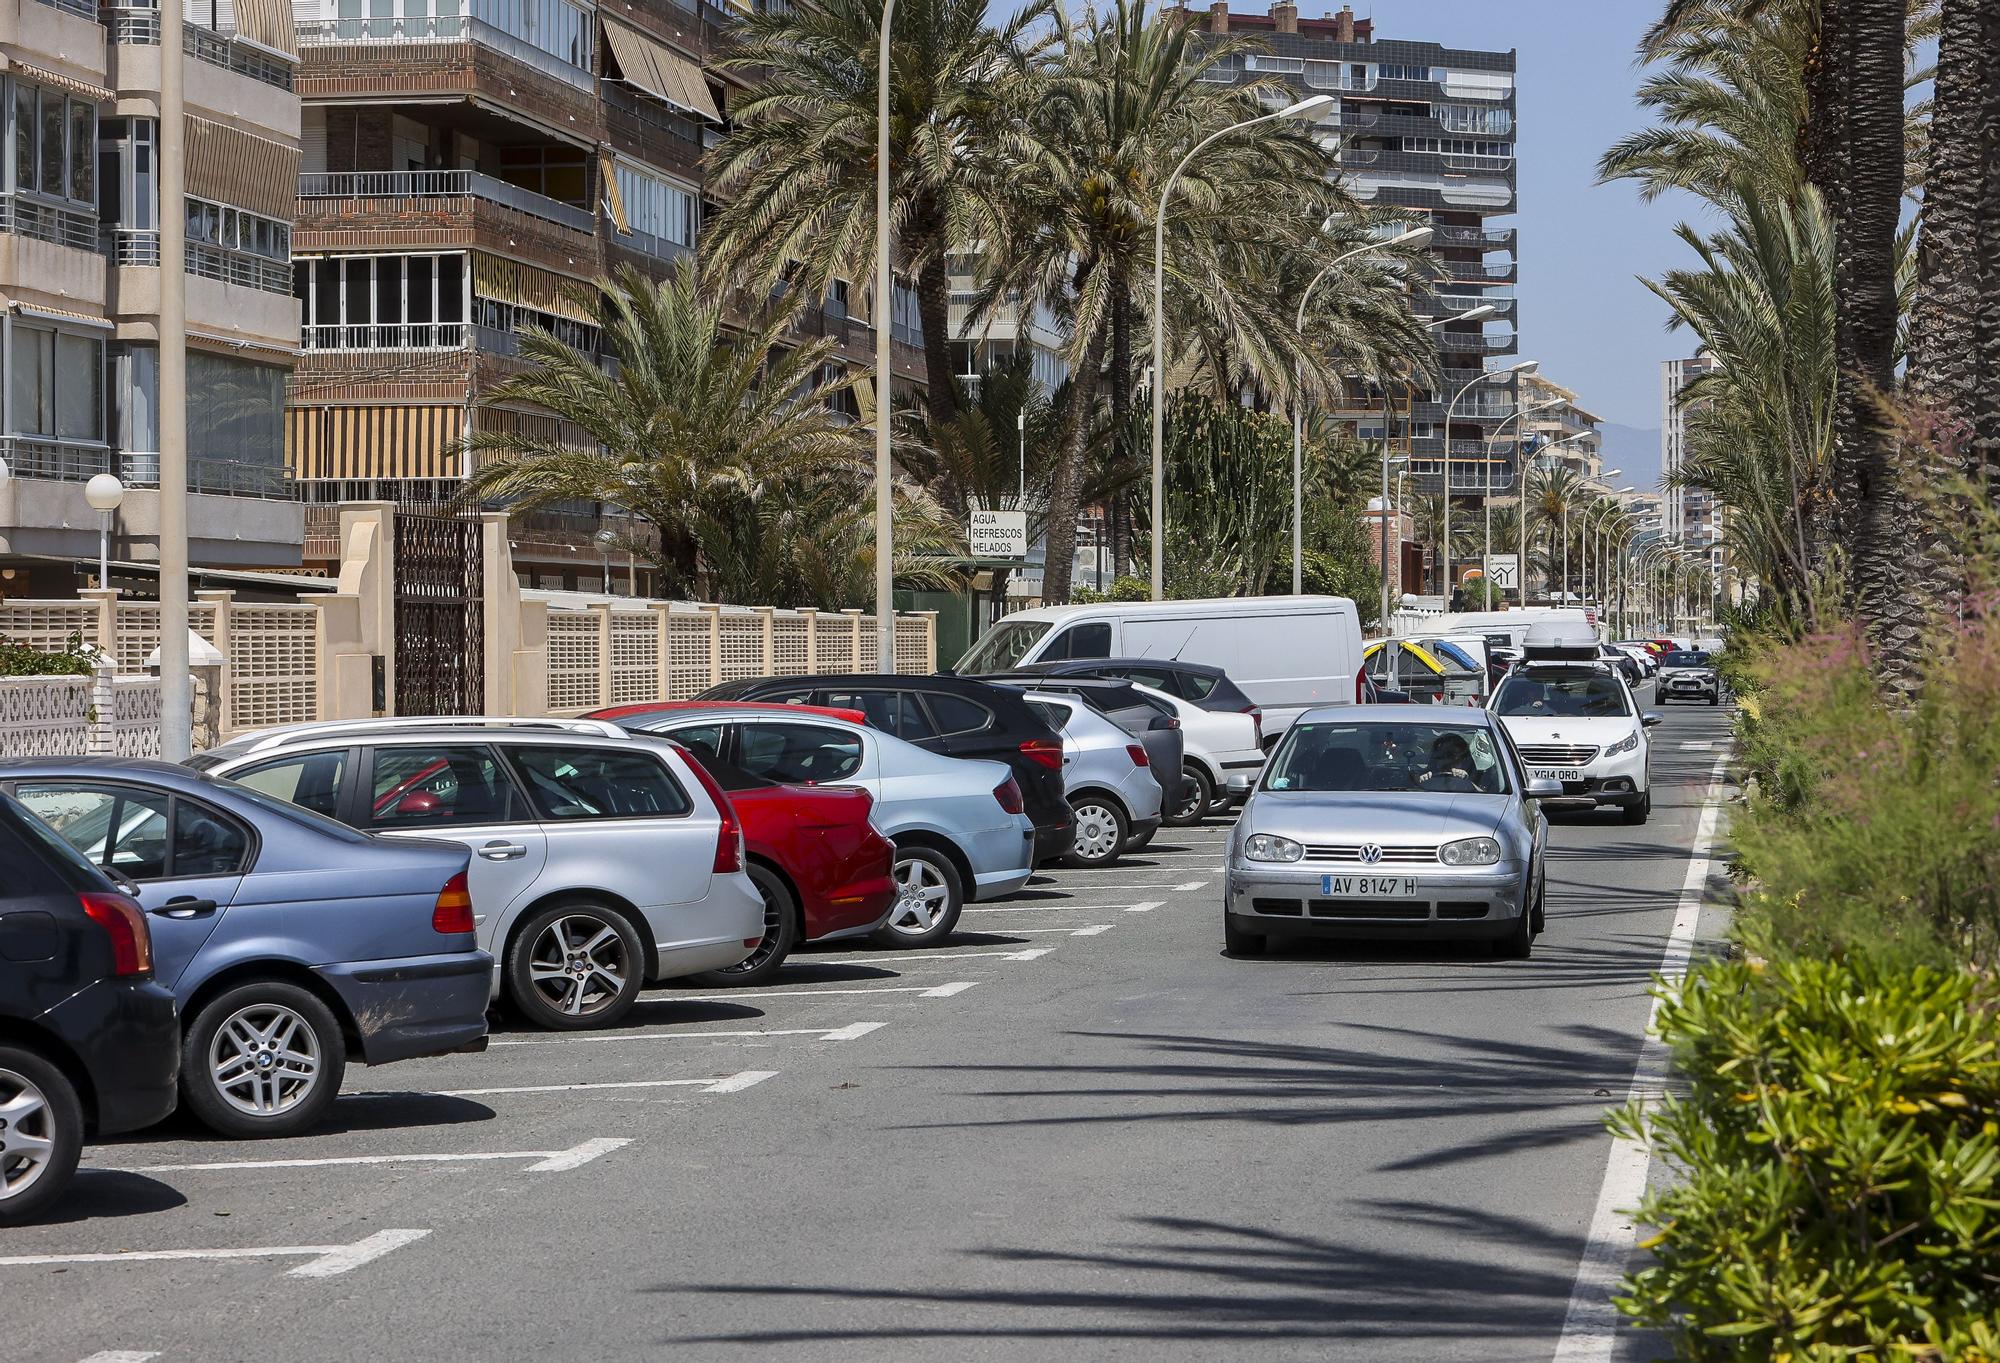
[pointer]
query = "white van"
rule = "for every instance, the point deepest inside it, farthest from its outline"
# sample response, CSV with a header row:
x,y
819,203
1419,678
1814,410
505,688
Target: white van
x,y
1509,629
1288,653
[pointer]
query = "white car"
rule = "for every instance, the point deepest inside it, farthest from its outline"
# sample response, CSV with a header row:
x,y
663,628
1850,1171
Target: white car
x,y
1218,744
1576,722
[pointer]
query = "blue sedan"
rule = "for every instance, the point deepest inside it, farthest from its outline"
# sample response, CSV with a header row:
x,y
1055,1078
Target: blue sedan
x,y
290,941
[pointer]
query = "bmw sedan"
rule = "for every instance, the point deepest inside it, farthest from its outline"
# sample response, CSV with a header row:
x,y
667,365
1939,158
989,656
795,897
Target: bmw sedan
x,y
1372,822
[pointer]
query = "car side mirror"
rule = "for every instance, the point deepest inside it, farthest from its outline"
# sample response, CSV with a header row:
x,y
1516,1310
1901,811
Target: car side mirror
x,y
1541,788
1240,785
1652,719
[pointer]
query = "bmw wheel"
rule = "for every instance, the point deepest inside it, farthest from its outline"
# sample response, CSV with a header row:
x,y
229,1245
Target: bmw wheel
x,y
41,1133
1100,832
263,1059
929,898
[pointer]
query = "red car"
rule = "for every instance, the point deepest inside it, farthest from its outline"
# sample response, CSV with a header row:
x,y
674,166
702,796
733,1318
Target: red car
x,y
823,869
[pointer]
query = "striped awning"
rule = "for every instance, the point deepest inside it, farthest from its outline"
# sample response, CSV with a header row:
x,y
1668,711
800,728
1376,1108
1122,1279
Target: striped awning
x,y
234,167
509,281
41,75
660,71
374,442
268,23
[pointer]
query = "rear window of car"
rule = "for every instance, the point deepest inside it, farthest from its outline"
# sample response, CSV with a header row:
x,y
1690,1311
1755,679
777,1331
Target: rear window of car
x,y
31,874
1683,658
957,715
1055,716
571,784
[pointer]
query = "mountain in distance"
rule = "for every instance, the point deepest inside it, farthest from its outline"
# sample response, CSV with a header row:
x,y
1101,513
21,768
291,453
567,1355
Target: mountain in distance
x,y
1636,451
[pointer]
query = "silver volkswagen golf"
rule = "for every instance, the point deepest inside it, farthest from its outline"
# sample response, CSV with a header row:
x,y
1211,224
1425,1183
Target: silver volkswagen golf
x,y
1390,821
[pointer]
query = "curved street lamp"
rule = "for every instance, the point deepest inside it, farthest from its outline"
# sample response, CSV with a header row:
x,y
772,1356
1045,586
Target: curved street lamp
x,y
1304,108
1512,371
1610,499
1486,499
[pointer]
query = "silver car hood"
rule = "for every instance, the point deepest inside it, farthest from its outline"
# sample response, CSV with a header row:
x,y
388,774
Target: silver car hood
x,y
1372,816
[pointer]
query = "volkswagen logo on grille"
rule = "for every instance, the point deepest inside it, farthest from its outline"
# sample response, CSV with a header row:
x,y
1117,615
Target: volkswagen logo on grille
x,y
1370,853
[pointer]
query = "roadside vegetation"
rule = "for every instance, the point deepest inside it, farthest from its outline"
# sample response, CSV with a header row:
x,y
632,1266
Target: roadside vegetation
x,y
1836,1145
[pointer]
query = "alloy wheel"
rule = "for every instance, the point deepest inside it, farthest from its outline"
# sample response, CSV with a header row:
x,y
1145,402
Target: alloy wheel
x,y
774,926
264,1059
921,897
27,1135
1096,832
579,965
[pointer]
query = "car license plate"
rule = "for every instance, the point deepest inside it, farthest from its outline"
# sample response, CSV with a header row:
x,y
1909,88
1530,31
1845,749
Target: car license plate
x,y
1553,774
1369,887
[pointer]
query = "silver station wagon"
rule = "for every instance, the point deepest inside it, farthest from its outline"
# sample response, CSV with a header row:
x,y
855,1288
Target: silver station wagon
x,y
1393,822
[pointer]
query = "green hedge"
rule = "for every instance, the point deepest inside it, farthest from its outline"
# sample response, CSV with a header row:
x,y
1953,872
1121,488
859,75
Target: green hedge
x,y
1837,1162
19,660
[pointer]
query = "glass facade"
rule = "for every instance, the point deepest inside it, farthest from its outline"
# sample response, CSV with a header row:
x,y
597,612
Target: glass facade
x,y
659,208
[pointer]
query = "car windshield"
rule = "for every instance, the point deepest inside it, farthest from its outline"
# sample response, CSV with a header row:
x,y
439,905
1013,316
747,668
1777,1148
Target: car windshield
x,y
1442,759
1683,658
1003,647
1561,695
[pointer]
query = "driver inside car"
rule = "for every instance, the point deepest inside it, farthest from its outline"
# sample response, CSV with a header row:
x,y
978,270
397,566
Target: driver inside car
x,y
1450,767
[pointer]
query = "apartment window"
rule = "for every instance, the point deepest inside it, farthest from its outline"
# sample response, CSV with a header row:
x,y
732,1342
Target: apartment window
x,y
1390,71
496,315
56,382
556,27
553,172
1458,146
1467,118
659,208
379,302
127,175
237,229
417,19
241,417
54,144
135,404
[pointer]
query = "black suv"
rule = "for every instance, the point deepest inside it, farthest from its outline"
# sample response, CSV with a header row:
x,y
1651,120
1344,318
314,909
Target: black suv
x,y
1196,683
87,1040
956,716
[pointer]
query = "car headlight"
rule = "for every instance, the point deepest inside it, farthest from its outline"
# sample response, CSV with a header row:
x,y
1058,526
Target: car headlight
x,y
1629,743
1270,847
1470,852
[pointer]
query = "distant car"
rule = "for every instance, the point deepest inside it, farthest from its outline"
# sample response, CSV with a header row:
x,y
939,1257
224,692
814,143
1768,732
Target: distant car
x,y
1640,653
1218,744
290,941
1108,777
1622,663
1576,723
954,716
89,1044
1394,822
1689,675
1196,683
959,826
599,866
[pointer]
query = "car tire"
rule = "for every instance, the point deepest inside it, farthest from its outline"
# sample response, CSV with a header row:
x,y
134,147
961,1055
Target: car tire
x,y
1637,814
42,1140
1238,942
261,1060
564,974
783,929
1139,841
1196,798
929,898
1519,942
1100,834
1538,922
1715,700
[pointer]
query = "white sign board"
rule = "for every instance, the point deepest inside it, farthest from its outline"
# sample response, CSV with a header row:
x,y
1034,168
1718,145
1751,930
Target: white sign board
x,y
998,534
1504,570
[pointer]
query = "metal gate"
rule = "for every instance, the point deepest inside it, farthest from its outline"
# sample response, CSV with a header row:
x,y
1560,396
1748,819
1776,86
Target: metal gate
x,y
439,568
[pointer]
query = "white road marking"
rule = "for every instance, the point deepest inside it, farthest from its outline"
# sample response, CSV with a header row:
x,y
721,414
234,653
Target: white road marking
x,y
919,990
945,991
1146,907
577,1156
1698,747
846,1033
1094,930
1147,885
121,1356
324,1261
577,1088
739,1081
1590,1327
853,1031
902,958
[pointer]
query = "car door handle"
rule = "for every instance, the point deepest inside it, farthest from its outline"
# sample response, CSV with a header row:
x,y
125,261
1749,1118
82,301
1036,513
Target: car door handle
x,y
186,906
503,851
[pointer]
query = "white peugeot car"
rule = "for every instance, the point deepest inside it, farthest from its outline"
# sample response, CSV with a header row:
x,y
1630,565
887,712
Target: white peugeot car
x,y
1574,721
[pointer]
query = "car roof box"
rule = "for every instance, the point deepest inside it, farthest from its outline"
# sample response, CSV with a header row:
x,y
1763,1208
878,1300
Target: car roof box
x,y
1559,641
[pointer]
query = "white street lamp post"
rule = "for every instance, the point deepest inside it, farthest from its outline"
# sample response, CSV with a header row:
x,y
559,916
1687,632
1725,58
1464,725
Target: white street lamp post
x,y
1610,500
1305,108
1416,236
885,527
1450,411
1021,429
104,493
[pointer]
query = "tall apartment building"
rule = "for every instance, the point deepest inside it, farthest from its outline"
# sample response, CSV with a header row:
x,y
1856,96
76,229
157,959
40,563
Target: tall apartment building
x,y
1691,514
80,215
1429,129
468,163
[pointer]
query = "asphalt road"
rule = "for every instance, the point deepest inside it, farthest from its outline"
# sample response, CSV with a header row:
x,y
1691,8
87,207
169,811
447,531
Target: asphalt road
x,y
1076,1129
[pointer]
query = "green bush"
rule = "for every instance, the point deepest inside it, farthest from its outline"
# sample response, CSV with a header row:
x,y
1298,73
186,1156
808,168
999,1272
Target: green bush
x,y
20,660
1837,1155
1121,589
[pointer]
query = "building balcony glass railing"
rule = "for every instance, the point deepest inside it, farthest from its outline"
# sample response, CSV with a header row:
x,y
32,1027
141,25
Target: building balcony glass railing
x,y
1491,239
1464,342
73,462
443,184
442,28
1477,270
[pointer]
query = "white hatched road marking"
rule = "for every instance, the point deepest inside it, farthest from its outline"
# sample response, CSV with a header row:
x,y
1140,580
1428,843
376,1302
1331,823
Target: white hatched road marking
x,y
547,1161
121,1356
847,1033
1698,747
322,1261
734,1083
901,958
1143,906
942,991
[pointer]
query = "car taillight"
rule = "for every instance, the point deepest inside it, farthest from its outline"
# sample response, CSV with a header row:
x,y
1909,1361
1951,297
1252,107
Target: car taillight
x,y
1008,793
1138,755
453,910
1360,688
1047,751
729,837
124,922
1256,723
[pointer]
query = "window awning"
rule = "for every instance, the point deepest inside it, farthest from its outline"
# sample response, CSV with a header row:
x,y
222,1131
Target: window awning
x,y
61,315
235,167
374,442
41,75
660,71
268,23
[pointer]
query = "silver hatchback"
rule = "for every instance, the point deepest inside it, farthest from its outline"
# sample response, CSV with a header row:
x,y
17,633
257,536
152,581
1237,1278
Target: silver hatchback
x,y
1107,779
599,865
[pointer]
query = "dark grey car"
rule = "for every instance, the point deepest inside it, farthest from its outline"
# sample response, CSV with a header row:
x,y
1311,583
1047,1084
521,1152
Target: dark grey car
x,y
1138,714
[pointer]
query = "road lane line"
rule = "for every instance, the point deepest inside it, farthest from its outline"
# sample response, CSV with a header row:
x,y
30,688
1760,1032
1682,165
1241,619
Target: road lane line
x,y
945,991
350,1257
919,990
1146,907
1590,1327
846,1033
578,1155
594,1148
853,1031
1141,885
565,1088
326,1261
897,958
121,1356
739,1081
1094,930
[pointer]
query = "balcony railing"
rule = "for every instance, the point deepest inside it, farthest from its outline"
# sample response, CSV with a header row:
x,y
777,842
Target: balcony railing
x,y
442,28
1477,269
1476,344
387,336
239,267
637,116
132,246
83,9
1491,239
69,462
442,184
139,26
44,222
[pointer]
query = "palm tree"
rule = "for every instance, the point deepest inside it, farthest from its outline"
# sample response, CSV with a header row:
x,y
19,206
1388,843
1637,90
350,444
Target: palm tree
x,y
693,424
1555,498
1427,514
796,172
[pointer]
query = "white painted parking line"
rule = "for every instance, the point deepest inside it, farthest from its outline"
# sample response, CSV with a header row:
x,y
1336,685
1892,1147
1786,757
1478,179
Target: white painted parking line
x,y
899,958
944,991
322,1261
731,1084
847,1033
1175,885
121,1356
736,1083
1094,930
549,1160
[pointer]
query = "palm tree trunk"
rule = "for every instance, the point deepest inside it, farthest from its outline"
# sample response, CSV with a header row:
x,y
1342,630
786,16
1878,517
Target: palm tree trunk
x,y
1059,530
934,307
1874,510
1121,414
1825,156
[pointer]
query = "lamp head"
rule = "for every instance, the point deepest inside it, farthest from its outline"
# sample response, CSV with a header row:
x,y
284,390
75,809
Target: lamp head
x,y
104,492
1478,314
607,538
1525,367
1307,108
1416,236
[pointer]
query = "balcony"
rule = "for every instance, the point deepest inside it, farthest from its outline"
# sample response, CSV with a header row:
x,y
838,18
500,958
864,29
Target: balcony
x,y
443,184
389,336
26,217
1486,239
67,462
1479,271
650,130
441,28
139,26
393,211
237,267
1460,342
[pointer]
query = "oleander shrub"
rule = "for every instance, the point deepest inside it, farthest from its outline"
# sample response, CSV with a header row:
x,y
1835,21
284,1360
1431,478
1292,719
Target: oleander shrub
x,y
21,660
1836,1165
